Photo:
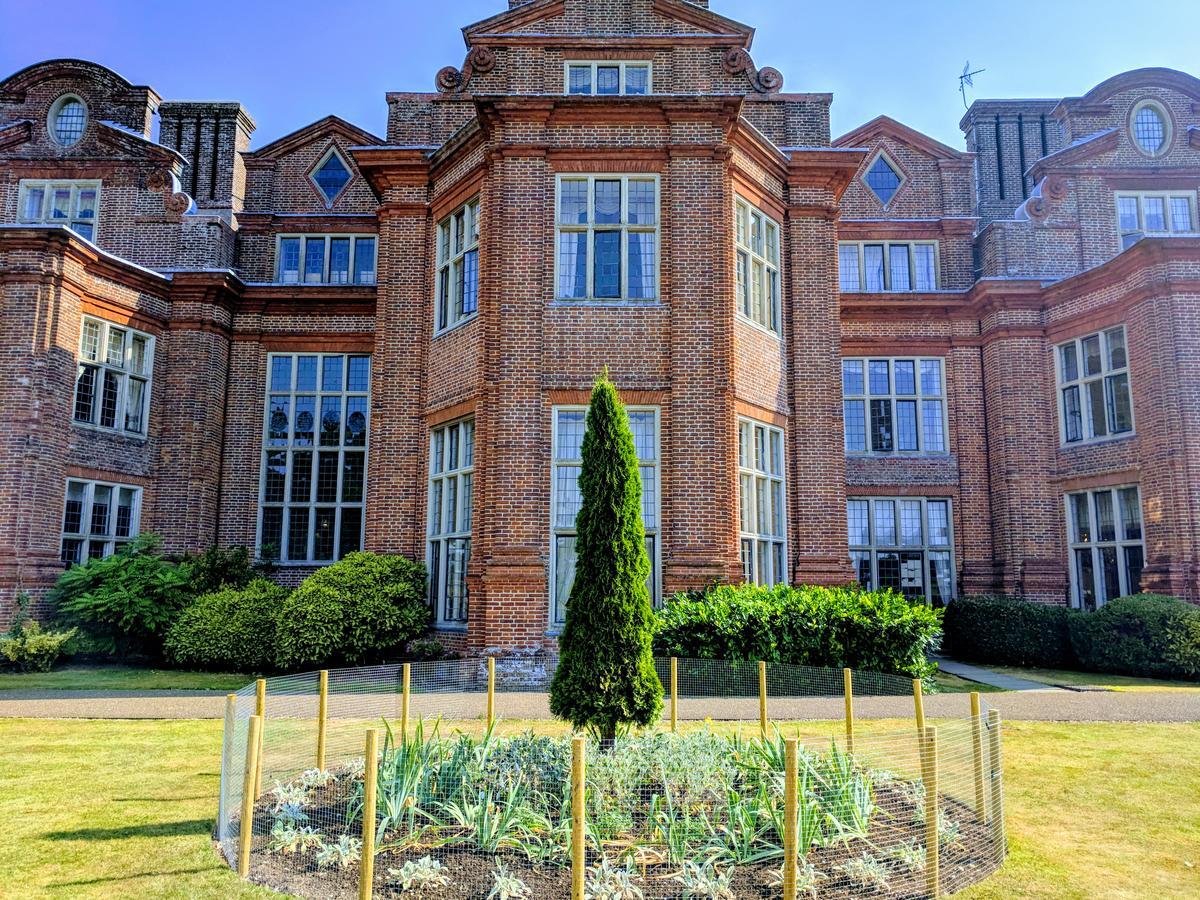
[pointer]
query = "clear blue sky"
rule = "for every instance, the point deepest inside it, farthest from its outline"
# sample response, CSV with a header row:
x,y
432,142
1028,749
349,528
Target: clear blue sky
x,y
293,62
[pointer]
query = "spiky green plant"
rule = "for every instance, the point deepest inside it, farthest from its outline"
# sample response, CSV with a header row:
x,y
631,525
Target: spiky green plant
x,y
605,677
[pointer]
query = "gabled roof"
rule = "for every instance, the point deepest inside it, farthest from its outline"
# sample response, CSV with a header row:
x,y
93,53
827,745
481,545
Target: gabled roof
x,y
886,126
524,18
330,125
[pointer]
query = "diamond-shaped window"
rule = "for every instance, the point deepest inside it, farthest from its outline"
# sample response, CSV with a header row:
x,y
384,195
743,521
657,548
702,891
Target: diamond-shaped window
x,y
331,176
883,179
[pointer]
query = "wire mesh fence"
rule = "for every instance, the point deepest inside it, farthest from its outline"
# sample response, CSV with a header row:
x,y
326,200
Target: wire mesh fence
x,y
477,792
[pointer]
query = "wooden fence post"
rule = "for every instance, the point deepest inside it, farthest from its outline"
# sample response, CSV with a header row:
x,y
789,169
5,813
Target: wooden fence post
x,y
762,697
405,692
260,710
227,747
929,777
674,694
491,697
848,691
790,813
977,752
993,724
578,799
366,868
919,705
246,825
322,715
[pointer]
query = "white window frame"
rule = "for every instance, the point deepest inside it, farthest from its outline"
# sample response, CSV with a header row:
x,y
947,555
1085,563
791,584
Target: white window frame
x,y
327,238
1168,127
557,531
1108,375
46,215
763,551
108,541
921,398
452,256
290,447
1127,237
595,64
889,247
56,110
123,373
591,229
758,275
1120,543
450,611
873,549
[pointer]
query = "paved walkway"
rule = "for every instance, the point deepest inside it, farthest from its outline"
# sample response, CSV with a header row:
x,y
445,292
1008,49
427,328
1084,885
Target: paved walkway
x,y
987,676
1043,704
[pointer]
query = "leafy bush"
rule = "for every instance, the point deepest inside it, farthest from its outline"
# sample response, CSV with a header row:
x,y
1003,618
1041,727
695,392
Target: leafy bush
x,y
1146,634
605,677
219,567
877,631
126,602
26,648
232,629
1009,632
358,611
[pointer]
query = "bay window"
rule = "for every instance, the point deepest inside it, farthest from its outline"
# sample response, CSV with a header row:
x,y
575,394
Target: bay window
x,y
904,544
451,466
112,387
1106,545
887,266
98,519
326,259
568,427
763,504
757,265
458,267
1095,401
894,405
314,457
607,238
75,204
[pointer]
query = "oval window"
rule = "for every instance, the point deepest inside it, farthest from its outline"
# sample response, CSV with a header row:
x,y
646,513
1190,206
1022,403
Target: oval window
x,y
67,120
1150,128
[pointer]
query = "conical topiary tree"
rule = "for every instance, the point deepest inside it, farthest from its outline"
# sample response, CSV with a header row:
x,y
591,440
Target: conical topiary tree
x,y
605,676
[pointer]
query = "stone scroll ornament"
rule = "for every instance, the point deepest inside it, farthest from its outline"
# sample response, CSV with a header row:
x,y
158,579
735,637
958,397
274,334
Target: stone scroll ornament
x,y
766,80
166,182
479,60
1050,190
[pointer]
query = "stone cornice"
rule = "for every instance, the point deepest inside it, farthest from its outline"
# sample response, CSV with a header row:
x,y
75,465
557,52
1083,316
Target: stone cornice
x,y
387,167
827,168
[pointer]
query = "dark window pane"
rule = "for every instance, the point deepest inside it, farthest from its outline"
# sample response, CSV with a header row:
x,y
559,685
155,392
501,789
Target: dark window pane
x,y
1072,415
470,282
297,533
1112,575
331,177
889,571
353,469
276,473
305,415
608,80
1120,408
1134,562
351,535
327,477
324,528
1096,408
85,393
881,426
356,421
608,264
108,399
277,421
72,552
331,421
1086,578
912,575
272,533
364,261
301,477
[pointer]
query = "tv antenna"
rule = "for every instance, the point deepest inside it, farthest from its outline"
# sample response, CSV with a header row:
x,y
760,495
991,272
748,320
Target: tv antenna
x,y
966,80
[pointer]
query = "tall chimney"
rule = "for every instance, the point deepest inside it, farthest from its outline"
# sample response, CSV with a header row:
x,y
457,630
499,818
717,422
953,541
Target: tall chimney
x,y
211,136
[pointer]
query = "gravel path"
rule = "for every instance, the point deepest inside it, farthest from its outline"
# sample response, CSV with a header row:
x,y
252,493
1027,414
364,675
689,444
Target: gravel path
x,y
1034,705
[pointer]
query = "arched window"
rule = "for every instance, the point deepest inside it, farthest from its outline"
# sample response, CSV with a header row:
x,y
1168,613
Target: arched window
x,y
1151,128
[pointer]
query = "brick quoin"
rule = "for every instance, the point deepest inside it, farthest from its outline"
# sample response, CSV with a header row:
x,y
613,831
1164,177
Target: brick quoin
x,y
1029,255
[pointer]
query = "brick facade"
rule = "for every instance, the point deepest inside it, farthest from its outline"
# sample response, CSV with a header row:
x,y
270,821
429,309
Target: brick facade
x,y
186,249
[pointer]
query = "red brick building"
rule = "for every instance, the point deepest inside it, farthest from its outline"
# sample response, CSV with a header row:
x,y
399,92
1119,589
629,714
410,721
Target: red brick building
x,y
873,356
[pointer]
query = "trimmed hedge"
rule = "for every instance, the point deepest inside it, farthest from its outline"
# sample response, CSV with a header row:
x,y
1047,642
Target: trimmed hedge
x,y
1007,632
232,629
1145,634
355,612
875,631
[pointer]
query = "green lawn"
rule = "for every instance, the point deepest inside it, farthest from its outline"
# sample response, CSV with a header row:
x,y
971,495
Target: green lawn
x,y
125,808
952,684
1097,680
122,678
